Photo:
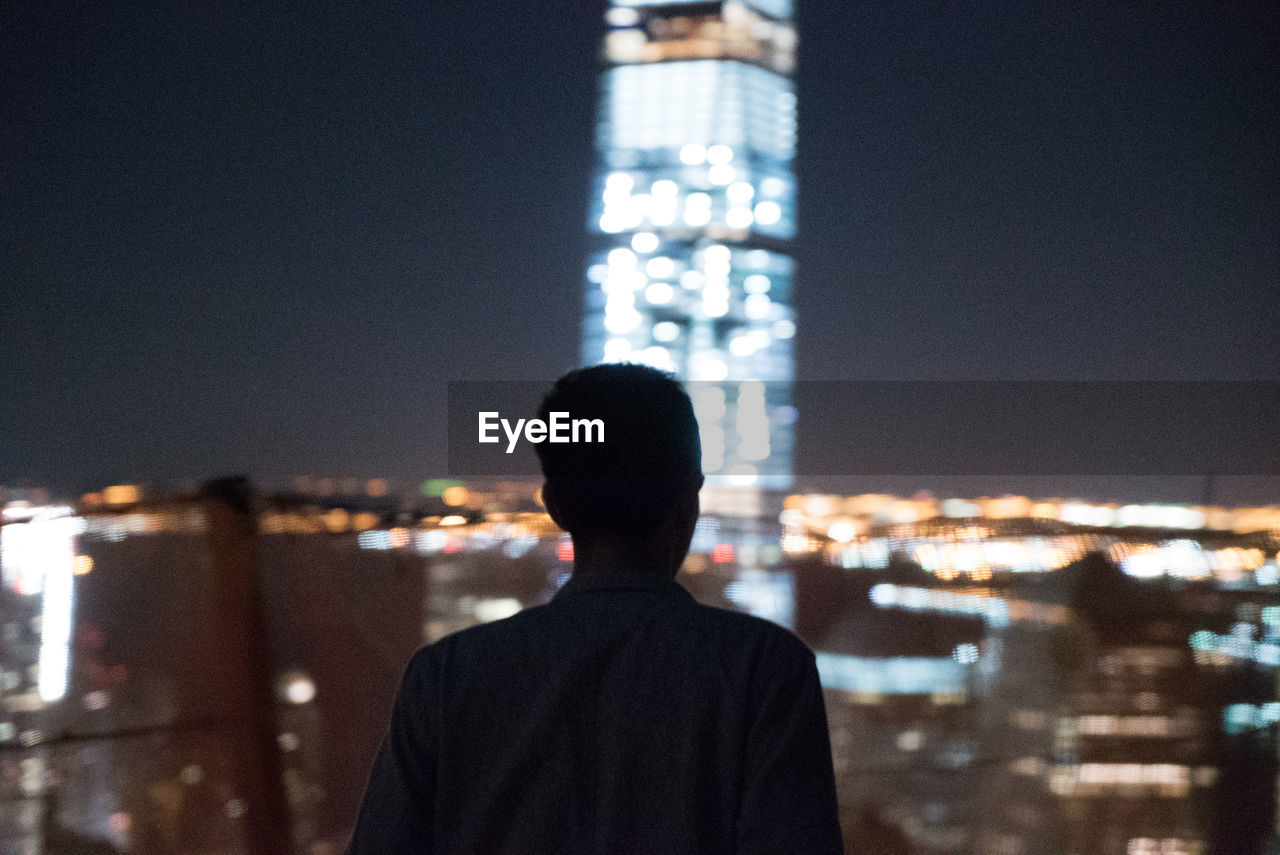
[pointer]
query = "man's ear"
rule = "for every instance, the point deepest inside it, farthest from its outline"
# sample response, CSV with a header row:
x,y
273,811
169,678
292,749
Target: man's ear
x,y
552,503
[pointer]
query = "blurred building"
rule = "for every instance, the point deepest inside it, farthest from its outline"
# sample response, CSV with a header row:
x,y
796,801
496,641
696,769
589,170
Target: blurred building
x,y
1019,686
694,215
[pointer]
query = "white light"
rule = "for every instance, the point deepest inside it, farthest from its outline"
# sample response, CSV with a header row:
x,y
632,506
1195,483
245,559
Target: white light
x,y
621,257
656,357
761,338
717,255
611,224
784,329
659,293
715,303
738,218
768,213
52,547
619,182
596,273
841,531
756,283
693,154
622,17
697,216
497,608
663,216
619,301
692,279
660,267
698,200
713,370
664,189
617,350
772,186
740,192
721,173
719,154
742,475
299,688
757,306
665,331
623,322
644,242
742,346
758,259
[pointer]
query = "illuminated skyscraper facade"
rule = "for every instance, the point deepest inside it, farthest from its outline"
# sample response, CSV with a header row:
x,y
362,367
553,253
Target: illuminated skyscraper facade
x,y
694,215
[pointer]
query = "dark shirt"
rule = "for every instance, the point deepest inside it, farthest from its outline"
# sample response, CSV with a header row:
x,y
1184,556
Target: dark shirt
x,y
622,718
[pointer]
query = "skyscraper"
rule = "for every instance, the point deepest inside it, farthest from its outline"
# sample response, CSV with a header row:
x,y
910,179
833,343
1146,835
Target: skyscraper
x,y
694,213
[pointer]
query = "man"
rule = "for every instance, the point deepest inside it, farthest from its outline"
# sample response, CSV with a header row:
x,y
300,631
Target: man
x,y
622,718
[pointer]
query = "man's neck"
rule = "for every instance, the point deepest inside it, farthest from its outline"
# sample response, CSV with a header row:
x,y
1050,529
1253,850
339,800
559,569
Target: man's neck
x,y
603,558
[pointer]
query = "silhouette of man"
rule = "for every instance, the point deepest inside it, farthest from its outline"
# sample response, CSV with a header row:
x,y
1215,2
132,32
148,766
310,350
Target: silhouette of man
x,y
622,718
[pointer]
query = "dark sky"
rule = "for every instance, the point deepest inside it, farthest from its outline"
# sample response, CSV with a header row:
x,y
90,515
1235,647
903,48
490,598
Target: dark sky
x,y
262,237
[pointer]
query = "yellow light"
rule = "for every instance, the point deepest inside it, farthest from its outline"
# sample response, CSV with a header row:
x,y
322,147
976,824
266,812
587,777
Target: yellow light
x,y
454,519
455,496
83,565
337,520
121,494
376,487
364,521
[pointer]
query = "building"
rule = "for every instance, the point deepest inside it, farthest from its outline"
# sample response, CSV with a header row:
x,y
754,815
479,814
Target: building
x,y
694,215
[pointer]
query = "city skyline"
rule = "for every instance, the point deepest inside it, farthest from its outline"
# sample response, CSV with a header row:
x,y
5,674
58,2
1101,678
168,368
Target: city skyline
x,y
265,243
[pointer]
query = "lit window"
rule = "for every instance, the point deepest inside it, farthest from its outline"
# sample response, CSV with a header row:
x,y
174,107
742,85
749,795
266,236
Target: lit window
x,y
665,331
757,307
691,279
738,218
644,242
617,350
717,255
721,173
719,154
697,216
659,293
740,192
660,267
693,154
621,257
768,213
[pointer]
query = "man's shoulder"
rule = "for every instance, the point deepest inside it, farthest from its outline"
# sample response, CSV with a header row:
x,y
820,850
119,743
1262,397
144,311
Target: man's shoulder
x,y
489,633
762,633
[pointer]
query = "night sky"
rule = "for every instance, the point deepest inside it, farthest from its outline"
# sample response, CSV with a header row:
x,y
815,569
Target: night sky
x,y
261,238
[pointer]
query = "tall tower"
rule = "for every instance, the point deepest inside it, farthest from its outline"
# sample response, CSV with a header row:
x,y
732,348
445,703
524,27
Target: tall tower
x,y
694,215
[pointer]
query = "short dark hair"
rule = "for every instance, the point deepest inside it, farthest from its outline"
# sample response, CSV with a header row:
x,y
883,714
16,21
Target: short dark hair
x,y
651,450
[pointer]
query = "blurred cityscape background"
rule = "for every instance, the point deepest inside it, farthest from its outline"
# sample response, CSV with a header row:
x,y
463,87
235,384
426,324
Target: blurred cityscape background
x,y
206,666
1001,674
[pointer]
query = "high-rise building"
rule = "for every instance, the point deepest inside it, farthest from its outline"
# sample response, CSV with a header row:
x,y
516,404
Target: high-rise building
x,y
694,214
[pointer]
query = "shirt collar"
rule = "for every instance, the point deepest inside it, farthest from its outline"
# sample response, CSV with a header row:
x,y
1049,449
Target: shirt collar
x,y
621,582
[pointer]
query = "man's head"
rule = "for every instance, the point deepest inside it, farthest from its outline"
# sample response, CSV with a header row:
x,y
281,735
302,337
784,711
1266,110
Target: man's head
x,y
645,473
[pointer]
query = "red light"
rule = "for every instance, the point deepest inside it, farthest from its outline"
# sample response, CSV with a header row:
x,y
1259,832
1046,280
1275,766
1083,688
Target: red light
x,y
564,550
722,553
